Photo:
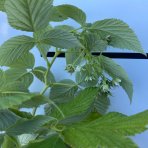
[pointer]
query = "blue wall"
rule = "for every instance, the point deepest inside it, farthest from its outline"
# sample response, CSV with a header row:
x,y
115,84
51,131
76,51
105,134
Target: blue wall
x,y
135,14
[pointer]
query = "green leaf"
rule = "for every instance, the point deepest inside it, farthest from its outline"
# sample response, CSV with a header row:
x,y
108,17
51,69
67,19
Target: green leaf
x,y
110,130
53,141
56,15
1,139
28,15
119,33
116,71
42,47
101,104
94,43
21,114
65,27
29,126
40,71
73,56
7,119
73,12
35,101
14,49
87,75
63,91
2,2
24,139
20,75
81,79
10,142
9,99
79,105
27,61
56,37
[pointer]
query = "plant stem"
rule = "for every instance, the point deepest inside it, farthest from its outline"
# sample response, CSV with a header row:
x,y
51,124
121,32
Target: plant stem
x,y
42,92
49,65
55,56
51,102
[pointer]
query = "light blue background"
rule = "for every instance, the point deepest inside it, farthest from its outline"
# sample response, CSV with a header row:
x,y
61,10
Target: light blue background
x,y
135,13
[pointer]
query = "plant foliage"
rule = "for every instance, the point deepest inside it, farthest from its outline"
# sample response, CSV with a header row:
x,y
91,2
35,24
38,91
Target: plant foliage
x,y
75,110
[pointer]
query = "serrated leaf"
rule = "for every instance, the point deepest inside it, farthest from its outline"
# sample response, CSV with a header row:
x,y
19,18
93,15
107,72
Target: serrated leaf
x,y
7,119
10,142
9,99
29,126
116,71
73,12
110,130
21,114
24,139
94,43
27,61
81,79
42,47
56,15
53,141
65,27
73,56
40,71
63,91
35,101
2,2
28,15
56,37
119,33
14,49
1,139
101,104
19,75
79,105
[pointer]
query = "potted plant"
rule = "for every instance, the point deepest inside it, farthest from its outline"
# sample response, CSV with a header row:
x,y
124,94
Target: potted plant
x,y
75,110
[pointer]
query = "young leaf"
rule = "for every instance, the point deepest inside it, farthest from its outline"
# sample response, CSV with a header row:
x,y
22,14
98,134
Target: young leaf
x,y
29,126
2,2
53,141
14,49
110,130
27,61
28,15
119,33
79,105
73,12
7,119
63,91
116,71
56,37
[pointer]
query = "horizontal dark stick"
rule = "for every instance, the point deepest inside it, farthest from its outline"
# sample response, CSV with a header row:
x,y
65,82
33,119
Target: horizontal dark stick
x,y
114,55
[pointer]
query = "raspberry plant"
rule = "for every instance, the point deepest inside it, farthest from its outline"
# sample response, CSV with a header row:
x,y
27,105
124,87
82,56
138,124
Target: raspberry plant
x,y
75,111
